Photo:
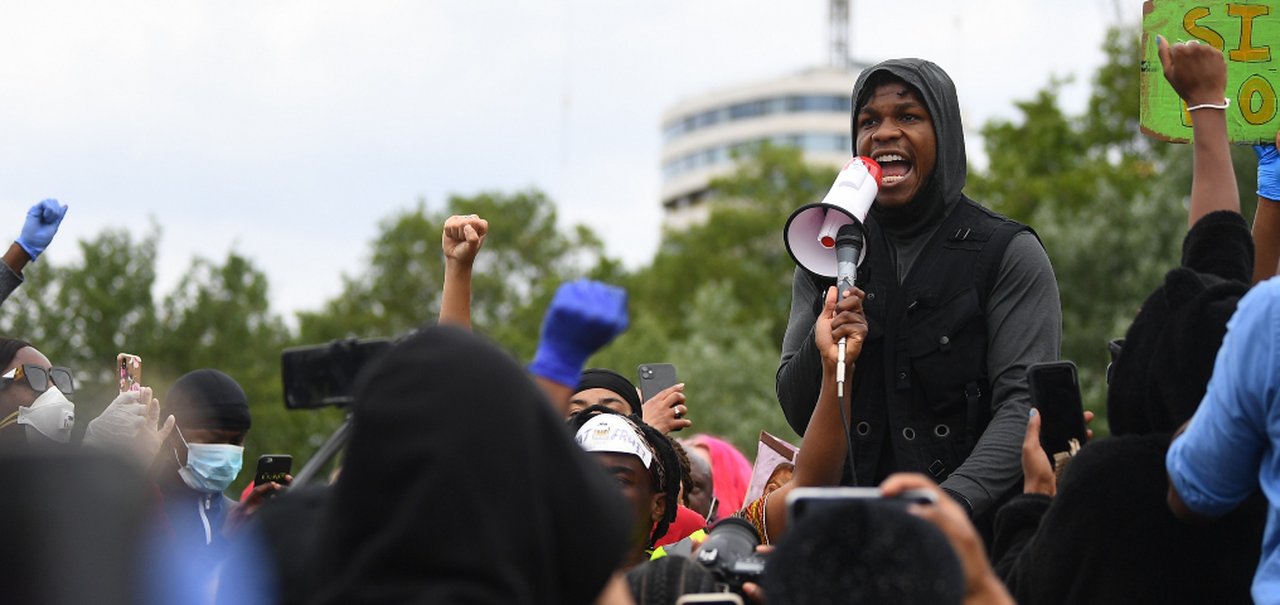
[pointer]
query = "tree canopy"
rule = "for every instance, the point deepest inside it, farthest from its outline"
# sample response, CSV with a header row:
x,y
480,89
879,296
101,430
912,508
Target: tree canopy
x,y
1108,204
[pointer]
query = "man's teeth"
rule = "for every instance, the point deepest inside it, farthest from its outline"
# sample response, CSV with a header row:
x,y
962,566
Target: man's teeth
x,y
889,180
890,157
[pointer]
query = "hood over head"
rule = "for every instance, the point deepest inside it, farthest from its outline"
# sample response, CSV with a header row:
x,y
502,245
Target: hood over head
x,y
460,484
945,185
1163,369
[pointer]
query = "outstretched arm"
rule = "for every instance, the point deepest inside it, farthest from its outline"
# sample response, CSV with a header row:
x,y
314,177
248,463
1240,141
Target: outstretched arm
x,y
800,371
1214,464
1266,219
584,316
821,461
461,241
43,220
1198,73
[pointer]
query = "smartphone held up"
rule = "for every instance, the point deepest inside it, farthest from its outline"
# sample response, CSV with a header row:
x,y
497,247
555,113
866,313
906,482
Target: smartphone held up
x,y
130,369
1055,394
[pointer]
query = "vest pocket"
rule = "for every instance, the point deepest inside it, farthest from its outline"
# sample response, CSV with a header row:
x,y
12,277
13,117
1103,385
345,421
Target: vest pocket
x,y
947,347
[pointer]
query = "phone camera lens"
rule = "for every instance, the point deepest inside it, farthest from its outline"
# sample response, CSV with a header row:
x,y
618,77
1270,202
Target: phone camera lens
x,y
646,372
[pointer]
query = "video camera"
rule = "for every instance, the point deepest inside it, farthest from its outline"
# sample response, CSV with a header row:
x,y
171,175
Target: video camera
x,y
322,375
729,553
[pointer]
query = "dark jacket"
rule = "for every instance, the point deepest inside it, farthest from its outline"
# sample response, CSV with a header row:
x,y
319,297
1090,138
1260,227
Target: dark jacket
x,y
1012,311
190,518
1108,537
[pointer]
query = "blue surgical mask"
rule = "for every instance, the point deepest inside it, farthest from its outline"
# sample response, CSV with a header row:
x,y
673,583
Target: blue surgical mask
x,y
211,467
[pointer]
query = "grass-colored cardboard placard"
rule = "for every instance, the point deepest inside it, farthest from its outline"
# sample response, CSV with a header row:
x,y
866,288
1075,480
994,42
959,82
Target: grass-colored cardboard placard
x,y
1247,33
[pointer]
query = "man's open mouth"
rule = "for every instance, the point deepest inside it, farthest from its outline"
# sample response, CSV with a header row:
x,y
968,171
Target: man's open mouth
x,y
893,167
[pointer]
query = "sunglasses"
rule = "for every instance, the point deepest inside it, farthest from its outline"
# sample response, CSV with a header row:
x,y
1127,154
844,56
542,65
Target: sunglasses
x,y
1114,347
40,378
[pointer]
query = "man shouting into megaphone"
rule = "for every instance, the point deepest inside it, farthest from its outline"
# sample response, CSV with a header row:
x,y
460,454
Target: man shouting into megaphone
x,y
959,301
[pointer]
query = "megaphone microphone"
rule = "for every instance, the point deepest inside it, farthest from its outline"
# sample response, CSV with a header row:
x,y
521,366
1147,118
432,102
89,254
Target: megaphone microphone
x,y
848,249
826,238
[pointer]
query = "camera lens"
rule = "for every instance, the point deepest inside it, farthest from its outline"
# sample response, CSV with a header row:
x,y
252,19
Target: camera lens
x,y
646,372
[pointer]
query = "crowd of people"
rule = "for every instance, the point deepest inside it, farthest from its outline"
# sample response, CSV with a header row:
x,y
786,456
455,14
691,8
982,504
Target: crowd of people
x,y
467,478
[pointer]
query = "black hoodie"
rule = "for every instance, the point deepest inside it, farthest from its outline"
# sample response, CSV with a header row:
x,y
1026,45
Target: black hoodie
x,y
1023,314
460,485
915,221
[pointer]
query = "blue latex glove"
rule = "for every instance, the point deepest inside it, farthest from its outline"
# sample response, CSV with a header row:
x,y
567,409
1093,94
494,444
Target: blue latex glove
x,y
1268,171
584,316
42,223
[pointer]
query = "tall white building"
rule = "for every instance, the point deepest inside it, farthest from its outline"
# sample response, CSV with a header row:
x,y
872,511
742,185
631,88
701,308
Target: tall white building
x,y
809,110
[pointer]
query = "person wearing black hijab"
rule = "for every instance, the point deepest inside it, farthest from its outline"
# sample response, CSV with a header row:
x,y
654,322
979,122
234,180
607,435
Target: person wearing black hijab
x,y
460,485
959,301
664,411
598,386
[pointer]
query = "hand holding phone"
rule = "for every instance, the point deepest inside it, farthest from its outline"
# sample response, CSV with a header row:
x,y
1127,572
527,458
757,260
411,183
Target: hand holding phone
x,y
663,397
130,368
1055,394
273,468
804,501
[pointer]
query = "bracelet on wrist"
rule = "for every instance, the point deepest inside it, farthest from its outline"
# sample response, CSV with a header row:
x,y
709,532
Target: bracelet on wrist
x,y
1225,104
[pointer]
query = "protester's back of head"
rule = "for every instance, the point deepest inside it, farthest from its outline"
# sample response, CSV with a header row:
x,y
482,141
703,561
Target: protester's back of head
x,y
73,530
863,552
1163,369
460,484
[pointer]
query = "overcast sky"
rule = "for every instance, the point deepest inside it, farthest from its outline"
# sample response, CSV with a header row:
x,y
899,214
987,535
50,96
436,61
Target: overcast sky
x,y
286,130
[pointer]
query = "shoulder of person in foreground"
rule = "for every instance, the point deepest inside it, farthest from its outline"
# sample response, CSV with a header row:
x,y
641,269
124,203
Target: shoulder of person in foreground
x,y
1215,463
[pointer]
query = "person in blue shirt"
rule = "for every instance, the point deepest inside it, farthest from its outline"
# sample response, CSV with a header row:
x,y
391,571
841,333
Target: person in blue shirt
x,y
1228,448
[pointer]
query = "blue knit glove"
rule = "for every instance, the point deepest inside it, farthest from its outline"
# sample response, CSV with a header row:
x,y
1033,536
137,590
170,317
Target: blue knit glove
x,y
42,223
1268,171
584,316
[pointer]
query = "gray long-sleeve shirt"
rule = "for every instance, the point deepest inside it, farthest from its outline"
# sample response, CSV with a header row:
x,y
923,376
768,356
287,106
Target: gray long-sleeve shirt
x,y
1024,326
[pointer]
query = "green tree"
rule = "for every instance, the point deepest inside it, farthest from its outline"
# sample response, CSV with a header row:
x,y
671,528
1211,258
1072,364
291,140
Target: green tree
x,y
83,313
728,368
525,257
716,297
219,316
1108,203
740,244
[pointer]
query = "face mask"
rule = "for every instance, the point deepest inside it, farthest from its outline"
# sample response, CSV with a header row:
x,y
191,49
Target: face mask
x,y
211,467
51,414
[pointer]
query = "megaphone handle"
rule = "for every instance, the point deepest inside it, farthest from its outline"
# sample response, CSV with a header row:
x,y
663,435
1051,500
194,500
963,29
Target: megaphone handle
x,y
840,370
845,284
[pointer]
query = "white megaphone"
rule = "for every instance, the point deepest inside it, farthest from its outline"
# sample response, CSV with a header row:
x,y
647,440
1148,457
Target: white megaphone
x,y
810,233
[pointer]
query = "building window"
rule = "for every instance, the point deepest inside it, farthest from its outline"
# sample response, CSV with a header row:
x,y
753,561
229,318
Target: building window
x,y
813,142
755,109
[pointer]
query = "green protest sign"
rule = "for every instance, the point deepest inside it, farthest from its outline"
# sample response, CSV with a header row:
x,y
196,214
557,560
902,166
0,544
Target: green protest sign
x,y
1247,33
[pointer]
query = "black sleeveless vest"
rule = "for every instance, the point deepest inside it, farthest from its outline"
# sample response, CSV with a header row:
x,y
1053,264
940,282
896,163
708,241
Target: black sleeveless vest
x,y
921,380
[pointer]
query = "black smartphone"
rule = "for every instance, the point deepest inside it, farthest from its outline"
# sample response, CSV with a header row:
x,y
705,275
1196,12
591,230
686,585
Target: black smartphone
x,y
804,501
321,375
272,467
1055,394
654,377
